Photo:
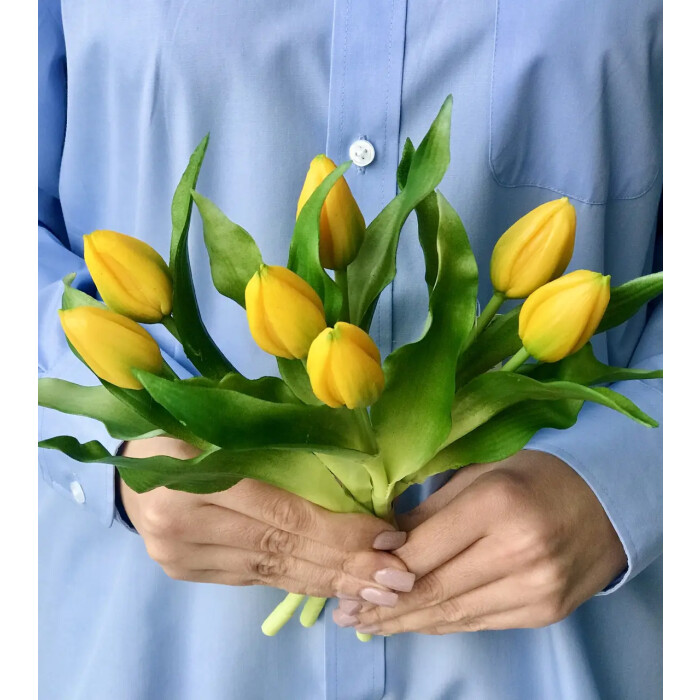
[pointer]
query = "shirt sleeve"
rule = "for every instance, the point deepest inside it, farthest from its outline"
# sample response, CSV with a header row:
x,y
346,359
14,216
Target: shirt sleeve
x,y
90,486
621,460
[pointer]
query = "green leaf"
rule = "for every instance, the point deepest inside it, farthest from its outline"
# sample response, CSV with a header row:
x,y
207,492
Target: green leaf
x,y
428,215
375,265
304,249
233,420
196,341
584,367
501,339
405,163
294,374
216,470
122,422
234,256
493,392
502,436
412,417
628,298
73,298
265,388
351,473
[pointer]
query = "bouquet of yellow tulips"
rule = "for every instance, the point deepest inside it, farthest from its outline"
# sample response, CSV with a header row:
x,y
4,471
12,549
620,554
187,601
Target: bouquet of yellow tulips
x,y
341,426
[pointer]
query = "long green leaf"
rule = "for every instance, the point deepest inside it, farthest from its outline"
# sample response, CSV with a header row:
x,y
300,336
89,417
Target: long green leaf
x,y
352,475
295,471
493,392
121,422
502,436
628,298
412,417
295,376
233,420
234,256
196,341
304,249
375,265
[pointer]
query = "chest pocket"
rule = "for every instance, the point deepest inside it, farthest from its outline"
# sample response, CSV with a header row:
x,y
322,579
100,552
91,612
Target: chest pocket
x,y
576,97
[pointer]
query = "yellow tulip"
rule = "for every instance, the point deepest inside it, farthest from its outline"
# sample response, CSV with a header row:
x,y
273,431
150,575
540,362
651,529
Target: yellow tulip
x,y
559,318
534,250
132,278
342,224
345,368
111,345
284,312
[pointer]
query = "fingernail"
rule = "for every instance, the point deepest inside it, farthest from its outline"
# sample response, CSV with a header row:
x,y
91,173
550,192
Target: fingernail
x,y
343,620
350,607
389,539
396,579
367,629
386,599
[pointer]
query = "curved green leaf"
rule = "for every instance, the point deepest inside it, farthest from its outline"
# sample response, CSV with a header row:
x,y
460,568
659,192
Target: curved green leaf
x,y
493,392
352,475
304,249
234,256
73,298
412,417
375,265
628,298
196,341
217,470
121,422
233,420
295,376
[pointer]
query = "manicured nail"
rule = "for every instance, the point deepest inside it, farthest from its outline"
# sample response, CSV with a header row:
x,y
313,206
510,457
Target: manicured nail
x,y
343,620
350,607
395,578
367,629
389,539
386,599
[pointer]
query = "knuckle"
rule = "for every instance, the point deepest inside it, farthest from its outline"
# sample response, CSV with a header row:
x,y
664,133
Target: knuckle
x,y
473,625
268,566
451,610
176,573
505,489
286,513
158,520
430,589
276,541
160,551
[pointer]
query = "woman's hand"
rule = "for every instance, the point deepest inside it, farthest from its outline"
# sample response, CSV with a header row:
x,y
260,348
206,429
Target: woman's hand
x,y
254,533
517,543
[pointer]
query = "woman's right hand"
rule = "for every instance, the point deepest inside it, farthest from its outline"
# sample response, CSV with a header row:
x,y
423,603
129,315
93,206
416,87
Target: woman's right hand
x,y
257,534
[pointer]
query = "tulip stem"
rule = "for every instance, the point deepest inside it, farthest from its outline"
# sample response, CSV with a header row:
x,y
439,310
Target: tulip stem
x,y
281,615
341,279
169,323
485,317
516,360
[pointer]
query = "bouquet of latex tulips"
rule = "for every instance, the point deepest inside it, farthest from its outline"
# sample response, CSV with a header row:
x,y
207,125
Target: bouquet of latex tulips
x,y
340,427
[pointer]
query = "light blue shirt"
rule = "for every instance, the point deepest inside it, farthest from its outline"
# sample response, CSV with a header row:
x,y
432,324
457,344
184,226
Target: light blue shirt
x,y
551,98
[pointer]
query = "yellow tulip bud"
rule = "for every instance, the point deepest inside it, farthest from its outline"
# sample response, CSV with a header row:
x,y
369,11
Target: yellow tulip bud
x,y
284,312
111,345
342,224
345,368
559,318
534,250
132,278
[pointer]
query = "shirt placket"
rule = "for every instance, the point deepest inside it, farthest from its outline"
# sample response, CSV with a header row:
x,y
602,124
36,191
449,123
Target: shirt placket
x,y
363,125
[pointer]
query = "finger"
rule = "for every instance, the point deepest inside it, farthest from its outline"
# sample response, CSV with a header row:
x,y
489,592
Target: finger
x,y
461,522
249,568
286,511
497,597
215,525
481,564
520,618
438,500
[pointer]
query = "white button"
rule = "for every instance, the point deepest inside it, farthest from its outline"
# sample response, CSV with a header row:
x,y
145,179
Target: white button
x,y
77,491
362,152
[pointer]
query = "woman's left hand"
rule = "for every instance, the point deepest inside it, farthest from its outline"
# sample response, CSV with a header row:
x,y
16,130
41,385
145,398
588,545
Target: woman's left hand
x,y
512,544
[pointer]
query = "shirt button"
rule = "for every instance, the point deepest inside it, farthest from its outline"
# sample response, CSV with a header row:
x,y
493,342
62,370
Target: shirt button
x,y
77,492
361,153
